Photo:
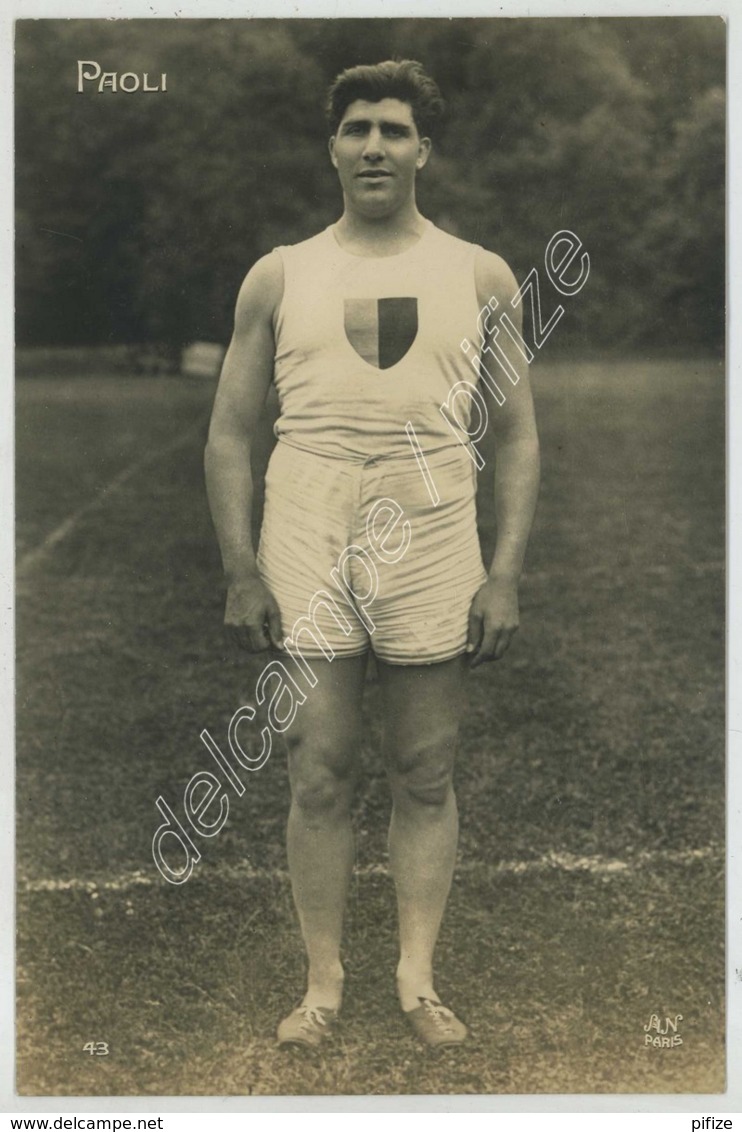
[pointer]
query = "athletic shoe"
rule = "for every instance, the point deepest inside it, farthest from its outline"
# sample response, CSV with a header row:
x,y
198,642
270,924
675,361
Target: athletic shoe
x,y
436,1025
307,1026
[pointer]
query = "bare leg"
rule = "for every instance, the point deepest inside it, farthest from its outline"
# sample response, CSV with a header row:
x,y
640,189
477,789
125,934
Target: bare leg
x,y
323,758
423,706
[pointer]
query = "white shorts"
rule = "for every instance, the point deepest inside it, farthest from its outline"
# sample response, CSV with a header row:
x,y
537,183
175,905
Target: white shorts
x,y
358,556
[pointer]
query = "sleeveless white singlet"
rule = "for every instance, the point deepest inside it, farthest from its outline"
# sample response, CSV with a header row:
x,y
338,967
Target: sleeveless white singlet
x,y
366,344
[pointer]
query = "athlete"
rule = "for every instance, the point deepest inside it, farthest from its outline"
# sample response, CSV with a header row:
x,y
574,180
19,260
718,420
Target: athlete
x,y
369,539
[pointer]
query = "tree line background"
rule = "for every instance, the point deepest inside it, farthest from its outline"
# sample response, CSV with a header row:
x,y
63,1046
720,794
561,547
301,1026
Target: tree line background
x,y
139,214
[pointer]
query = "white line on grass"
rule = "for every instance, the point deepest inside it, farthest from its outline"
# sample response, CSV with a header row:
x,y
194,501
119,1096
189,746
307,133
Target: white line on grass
x,y
33,557
563,862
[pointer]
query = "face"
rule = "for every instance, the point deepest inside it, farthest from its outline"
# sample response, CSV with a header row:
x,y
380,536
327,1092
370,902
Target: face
x,y
377,152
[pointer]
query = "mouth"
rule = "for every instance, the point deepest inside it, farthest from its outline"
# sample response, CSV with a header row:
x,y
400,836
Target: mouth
x,y
373,174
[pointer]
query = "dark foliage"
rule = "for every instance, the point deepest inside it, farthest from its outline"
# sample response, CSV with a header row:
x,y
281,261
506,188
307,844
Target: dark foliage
x,y
140,214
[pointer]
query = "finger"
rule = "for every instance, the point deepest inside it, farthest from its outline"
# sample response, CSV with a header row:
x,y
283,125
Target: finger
x,y
259,641
246,638
274,627
504,642
474,635
486,647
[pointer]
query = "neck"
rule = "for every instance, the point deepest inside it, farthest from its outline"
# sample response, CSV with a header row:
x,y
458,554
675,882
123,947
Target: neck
x,y
380,235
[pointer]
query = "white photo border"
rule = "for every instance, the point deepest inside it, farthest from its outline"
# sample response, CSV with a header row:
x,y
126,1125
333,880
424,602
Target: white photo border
x,y
731,1101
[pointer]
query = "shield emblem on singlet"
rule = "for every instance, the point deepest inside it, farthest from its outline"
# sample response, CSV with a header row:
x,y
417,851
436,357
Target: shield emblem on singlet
x,y
381,331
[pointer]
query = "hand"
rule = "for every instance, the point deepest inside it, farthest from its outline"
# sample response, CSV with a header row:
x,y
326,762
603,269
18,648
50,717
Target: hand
x,y
493,620
252,617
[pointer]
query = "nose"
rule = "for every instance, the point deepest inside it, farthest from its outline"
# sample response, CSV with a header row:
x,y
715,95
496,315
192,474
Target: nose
x,y
374,147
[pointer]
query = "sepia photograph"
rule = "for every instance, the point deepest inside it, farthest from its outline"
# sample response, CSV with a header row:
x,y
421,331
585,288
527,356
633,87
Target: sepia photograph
x,y
370,489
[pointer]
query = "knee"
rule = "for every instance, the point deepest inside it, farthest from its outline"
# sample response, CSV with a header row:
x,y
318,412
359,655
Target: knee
x,y
422,775
321,794
430,790
322,778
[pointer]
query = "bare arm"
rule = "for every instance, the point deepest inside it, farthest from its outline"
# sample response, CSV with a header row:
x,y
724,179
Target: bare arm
x,y
251,614
512,427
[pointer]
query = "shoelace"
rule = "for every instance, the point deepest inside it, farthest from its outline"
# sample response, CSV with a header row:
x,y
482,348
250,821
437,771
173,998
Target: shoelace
x,y
312,1016
439,1013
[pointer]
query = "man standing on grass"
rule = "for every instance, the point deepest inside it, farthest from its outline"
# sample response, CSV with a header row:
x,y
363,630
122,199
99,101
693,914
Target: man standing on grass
x,y
361,329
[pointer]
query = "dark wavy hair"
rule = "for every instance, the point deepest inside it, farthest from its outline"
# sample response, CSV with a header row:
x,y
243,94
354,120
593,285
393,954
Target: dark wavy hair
x,y
404,79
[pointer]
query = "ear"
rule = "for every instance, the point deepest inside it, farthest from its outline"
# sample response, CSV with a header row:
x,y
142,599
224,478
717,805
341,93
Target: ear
x,y
423,152
331,147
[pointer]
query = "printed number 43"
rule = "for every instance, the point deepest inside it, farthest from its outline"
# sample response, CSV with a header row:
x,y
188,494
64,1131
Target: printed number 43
x,y
100,1048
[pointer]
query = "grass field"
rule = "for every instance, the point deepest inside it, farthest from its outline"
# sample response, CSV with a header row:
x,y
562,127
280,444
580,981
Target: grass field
x,y
589,892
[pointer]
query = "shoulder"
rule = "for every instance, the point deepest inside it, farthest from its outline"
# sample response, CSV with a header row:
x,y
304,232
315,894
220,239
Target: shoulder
x,y
262,289
447,244
491,272
309,247
493,277
293,261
